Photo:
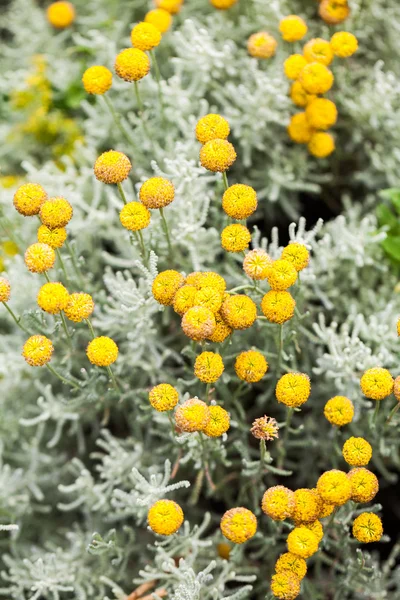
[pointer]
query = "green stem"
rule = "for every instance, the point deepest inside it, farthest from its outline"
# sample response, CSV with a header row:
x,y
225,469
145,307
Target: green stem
x,y
376,411
16,319
166,230
117,119
138,98
65,327
280,349
171,422
283,453
239,288
62,265
112,377
122,193
392,413
47,277
207,391
263,451
139,237
75,264
225,179
63,379
90,327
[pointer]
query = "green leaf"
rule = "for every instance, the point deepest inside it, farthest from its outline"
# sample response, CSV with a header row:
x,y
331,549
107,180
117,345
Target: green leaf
x,y
392,246
393,195
386,217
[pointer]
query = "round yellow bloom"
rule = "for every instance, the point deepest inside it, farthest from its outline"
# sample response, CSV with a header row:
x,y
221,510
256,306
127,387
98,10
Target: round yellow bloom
x,y
54,238
165,286
223,4
377,383
367,528
209,297
278,307
307,506
321,113
209,279
219,422
134,216
5,290
321,144
261,45
163,397
299,129
344,44
217,155
257,264
80,306
299,95
239,311
297,254
171,6
208,367
112,167
165,517
212,127
326,509
28,199
56,213
339,411
192,415
291,562
396,388
184,299
235,238
61,14
97,80
278,502
39,258
357,452
318,50
251,366
102,351
285,585
238,525
316,528
221,331
292,28
160,18
157,192
132,64
293,389
265,428
239,201
334,487
333,12
198,323
37,350
293,65
145,36
316,78
302,542
364,485
281,275
53,297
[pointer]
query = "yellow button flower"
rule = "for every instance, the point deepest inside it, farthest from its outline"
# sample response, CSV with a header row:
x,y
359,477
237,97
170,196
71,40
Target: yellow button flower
x,y
157,192
132,64
198,323
367,528
316,78
97,80
235,238
291,562
212,127
294,65
193,415
321,113
145,36
307,506
210,279
221,331
54,238
364,485
184,299
297,254
278,502
239,201
261,45
334,487
265,428
293,389
357,452
257,264
251,366
321,144
61,14
318,50
299,129
281,275
160,18
80,306
339,411
134,216
217,155
165,286
53,297
292,28
56,213
171,6
219,422
396,388
208,367
163,397
28,199
333,12
102,351
316,528
165,517
37,350
112,167
209,297
344,44
39,258
302,542
238,525
223,4
299,95
239,311
377,383
5,289
326,509
278,307
285,585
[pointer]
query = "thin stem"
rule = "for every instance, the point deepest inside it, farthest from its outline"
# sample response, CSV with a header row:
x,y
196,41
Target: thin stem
x,y
91,328
142,246
16,319
207,391
62,265
225,179
138,98
63,379
280,349
122,193
392,413
166,230
283,453
117,119
171,422
263,451
47,277
376,411
113,379
75,264
65,327
240,287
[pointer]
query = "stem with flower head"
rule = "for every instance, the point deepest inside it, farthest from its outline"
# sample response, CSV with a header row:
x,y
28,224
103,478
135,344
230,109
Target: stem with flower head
x,y
393,412
109,369
65,327
117,119
166,230
62,265
16,319
63,379
47,277
138,234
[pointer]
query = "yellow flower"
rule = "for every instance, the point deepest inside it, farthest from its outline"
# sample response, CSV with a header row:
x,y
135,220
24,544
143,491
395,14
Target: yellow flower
x,y
339,411
112,167
291,562
316,528
239,311
102,351
278,502
235,238
367,528
281,275
396,388
293,65
333,12
157,192
299,129
39,258
299,95
239,201
293,389
80,306
132,64
357,452
219,422
97,80
261,45
160,18
163,397
326,509
278,307
37,350
56,213
145,36
251,366
212,127
54,238
307,506
285,585
377,383
28,199
53,297
165,286
5,290
210,279
297,254
61,14
265,428
9,248
184,299
257,264
334,487
217,155
208,367
302,542
344,44
134,216
316,78
238,525
321,144
171,6
292,28
209,297
192,415
364,485
321,113
198,323
165,517
223,4
221,331
318,50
